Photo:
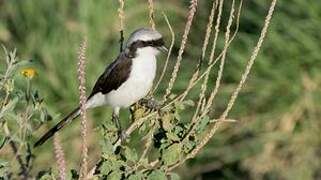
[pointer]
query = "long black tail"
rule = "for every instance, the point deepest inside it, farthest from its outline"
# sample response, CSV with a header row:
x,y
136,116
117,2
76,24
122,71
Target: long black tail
x,y
71,116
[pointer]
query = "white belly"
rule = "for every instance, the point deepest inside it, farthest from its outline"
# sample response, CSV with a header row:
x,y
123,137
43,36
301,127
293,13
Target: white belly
x,y
138,84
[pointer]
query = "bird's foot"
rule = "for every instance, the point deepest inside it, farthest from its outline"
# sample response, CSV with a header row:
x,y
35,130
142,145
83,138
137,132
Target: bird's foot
x,y
121,136
120,133
150,103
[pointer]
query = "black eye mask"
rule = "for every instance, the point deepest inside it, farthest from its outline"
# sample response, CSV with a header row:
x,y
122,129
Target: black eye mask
x,y
140,44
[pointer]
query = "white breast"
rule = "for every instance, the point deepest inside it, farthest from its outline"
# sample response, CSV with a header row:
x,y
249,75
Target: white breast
x,y
140,80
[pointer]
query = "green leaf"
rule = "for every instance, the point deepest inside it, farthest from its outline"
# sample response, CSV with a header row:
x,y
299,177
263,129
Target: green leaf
x,y
110,166
172,96
138,113
9,107
179,106
136,176
6,53
189,102
177,115
69,175
3,163
157,175
174,176
167,119
202,124
188,146
4,169
172,154
115,175
107,148
144,162
45,116
172,136
3,140
142,128
105,168
74,174
46,176
179,130
130,154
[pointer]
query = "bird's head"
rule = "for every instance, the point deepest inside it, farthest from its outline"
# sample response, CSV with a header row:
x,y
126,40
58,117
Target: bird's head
x,y
145,40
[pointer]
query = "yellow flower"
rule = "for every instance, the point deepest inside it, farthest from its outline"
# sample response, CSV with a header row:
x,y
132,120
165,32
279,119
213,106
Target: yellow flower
x,y
28,72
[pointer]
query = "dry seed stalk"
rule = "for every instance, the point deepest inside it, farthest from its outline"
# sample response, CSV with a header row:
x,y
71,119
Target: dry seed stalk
x,y
60,157
168,54
82,98
187,28
241,83
151,13
221,68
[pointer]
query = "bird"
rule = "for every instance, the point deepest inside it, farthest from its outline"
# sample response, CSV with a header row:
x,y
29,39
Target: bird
x,y
124,82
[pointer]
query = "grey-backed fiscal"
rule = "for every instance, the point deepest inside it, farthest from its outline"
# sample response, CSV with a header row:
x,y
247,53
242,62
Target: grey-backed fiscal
x,y
125,81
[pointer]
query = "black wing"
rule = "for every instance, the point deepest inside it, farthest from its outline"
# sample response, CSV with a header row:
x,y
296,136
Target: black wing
x,y
114,75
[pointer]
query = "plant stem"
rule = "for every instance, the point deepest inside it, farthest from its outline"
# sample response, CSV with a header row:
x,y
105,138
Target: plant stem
x,y
23,168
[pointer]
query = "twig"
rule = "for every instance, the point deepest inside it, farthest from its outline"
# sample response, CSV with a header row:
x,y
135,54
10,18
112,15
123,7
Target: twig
x,y
121,15
217,28
198,79
236,92
204,48
91,173
10,60
208,30
210,66
121,40
221,68
168,54
23,167
188,25
241,83
149,140
24,170
224,120
151,14
215,90
82,97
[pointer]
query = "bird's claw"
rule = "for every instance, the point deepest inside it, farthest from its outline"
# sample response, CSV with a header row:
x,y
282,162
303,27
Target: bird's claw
x,y
121,136
150,104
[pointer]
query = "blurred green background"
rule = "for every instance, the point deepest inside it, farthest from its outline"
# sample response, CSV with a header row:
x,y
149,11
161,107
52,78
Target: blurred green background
x,y
277,135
